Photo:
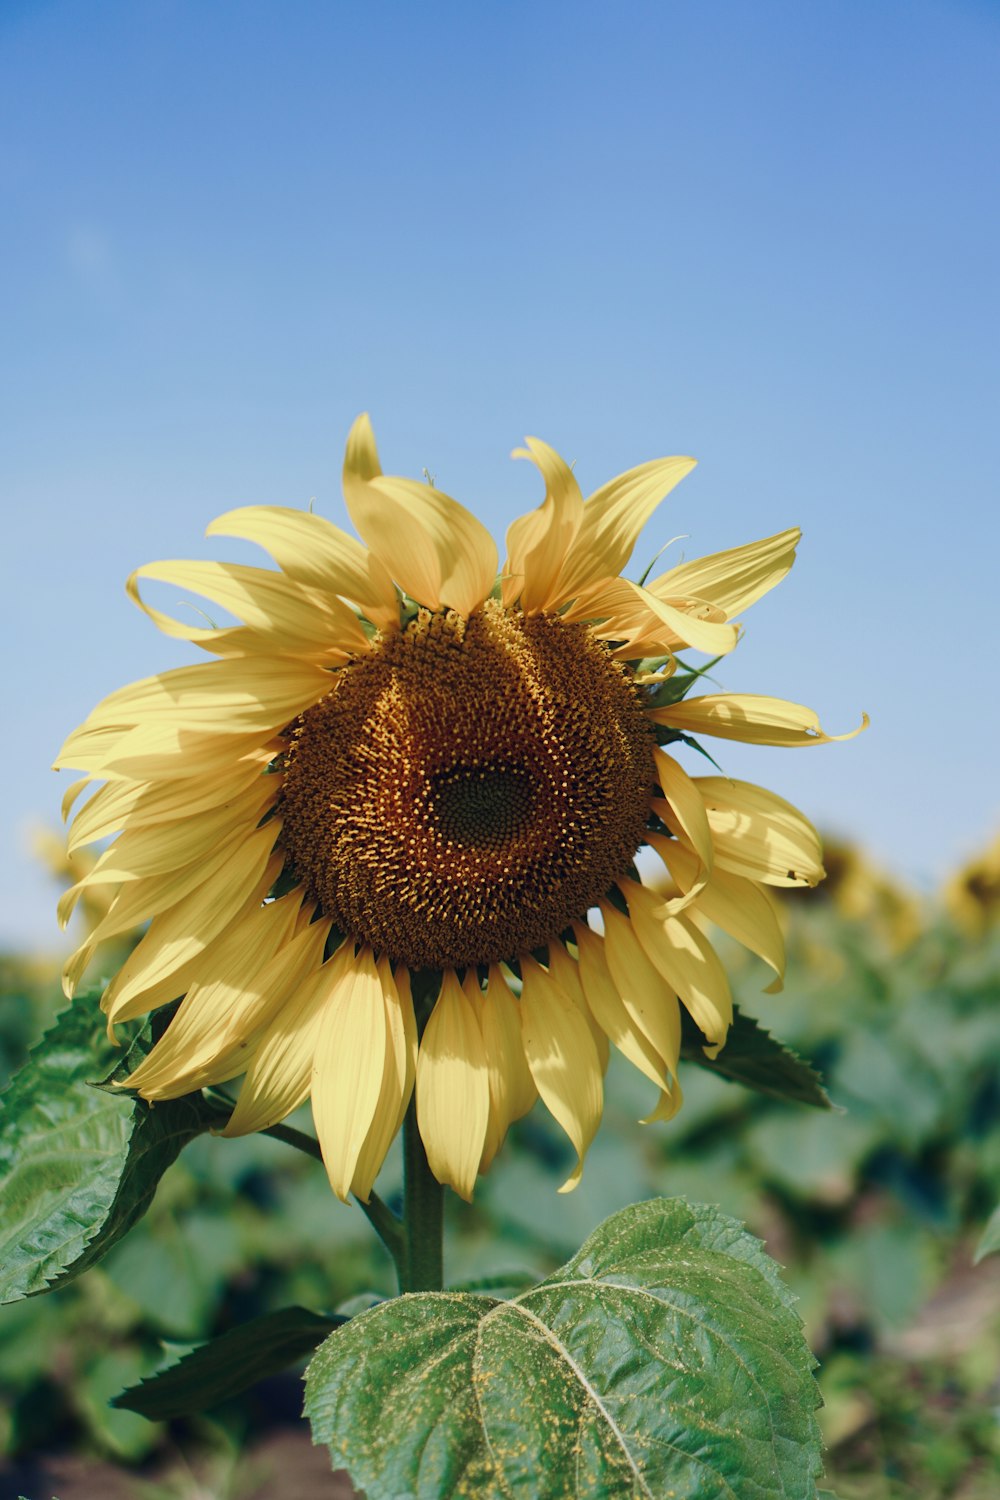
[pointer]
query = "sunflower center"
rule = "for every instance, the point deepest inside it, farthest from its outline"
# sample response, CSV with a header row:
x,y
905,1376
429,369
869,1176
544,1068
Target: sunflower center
x,y
482,805
468,787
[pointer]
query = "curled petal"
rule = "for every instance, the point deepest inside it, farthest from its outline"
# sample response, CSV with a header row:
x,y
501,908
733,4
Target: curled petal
x,y
750,717
538,542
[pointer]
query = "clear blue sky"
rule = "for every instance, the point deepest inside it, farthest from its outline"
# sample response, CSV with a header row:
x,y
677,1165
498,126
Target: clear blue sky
x,y
765,234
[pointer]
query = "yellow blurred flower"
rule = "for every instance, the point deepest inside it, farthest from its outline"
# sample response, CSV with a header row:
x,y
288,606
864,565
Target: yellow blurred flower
x,y
50,848
401,767
972,895
863,893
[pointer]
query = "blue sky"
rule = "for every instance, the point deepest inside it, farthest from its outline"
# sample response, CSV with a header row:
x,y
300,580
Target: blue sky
x,y
763,234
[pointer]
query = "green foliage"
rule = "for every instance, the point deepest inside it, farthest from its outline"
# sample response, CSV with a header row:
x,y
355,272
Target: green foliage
x,y
664,1357
875,1212
757,1060
218,1371
79,1165
990,1241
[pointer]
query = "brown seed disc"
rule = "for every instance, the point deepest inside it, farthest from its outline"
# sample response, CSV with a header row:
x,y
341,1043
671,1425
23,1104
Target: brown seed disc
x,y
469,787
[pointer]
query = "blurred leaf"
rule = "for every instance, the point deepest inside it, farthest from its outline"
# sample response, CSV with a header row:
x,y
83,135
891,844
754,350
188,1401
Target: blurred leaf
x,y
78,1164
120,1433
990,1241
757,1060
222,1368
813,1156
663,1358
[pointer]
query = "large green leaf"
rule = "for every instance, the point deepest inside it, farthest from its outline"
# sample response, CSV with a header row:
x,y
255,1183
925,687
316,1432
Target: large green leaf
x,y
757,1060
663,1359
78,1164
222,1368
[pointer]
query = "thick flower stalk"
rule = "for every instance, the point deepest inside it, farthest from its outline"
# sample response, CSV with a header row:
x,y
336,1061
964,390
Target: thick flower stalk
x,y
402,766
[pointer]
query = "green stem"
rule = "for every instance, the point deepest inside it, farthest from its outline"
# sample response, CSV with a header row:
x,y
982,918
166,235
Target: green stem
x,y
422,1266
297,1138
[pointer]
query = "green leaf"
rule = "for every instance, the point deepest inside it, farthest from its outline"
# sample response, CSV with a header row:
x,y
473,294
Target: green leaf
x,y
78,1164
990,1241
225,1366
757,1060
663,1359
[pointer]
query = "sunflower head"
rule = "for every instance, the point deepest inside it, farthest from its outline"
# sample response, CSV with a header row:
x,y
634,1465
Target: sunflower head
x,y
404,762
468,787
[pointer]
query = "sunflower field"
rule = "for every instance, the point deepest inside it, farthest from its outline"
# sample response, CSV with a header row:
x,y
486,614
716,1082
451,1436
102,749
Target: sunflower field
x,y
879,1210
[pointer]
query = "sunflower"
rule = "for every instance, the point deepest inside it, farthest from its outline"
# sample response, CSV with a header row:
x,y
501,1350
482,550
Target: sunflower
x,y
388,841
972,893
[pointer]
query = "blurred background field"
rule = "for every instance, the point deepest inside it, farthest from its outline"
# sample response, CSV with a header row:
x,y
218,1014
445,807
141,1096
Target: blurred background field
x,y
875,1210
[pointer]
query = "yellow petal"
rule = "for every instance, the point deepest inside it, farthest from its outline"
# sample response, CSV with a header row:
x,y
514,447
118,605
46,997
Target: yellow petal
x,y
689,622
140,900
563,1060
197,1031
120,804
623,611
653,636
104,812
608,1008
164,752
613,518
227,697
689,964
667,1105
434,548
565,972
538,542
758,834
733,903
260,1002
684,811
180,931
397,1081
139,853
750,717
512,1089
280,1072
284,616
401,980
498,1120
311,550
216,1045
87,748
453,1091
651,1004
733,579
349,1068
72,793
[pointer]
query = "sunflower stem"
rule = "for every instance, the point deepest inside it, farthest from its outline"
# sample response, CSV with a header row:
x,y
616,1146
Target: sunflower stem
x,y
421,1265
386,1225
297,1138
